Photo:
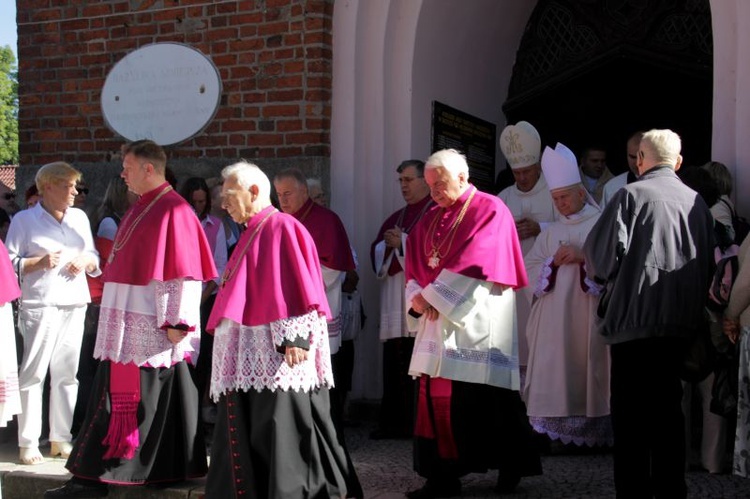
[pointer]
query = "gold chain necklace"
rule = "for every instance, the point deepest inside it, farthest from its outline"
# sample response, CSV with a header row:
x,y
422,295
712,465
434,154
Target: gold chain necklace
x,y
229,272
401,216
433,251
122,241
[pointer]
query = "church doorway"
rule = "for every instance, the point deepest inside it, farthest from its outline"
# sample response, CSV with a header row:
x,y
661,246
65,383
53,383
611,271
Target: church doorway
x,y
592,72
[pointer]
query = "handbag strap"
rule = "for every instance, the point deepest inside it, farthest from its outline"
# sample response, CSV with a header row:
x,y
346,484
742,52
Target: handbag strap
x,y
729,205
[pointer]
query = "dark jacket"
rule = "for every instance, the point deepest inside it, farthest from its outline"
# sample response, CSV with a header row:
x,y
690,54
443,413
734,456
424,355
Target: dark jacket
x,y
652,248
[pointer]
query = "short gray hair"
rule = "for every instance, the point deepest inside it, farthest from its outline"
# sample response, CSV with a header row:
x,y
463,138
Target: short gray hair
x,y
248,174
663,146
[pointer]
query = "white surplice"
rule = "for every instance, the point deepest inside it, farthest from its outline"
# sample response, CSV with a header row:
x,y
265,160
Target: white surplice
x,y
537,205
567,379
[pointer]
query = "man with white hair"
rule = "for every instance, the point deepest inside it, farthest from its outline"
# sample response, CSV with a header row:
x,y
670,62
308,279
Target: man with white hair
x,y
567,381
273,436
463,262
529,202
652,249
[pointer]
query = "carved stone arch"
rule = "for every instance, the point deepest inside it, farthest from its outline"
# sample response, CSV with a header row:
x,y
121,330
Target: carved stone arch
x,y
593,71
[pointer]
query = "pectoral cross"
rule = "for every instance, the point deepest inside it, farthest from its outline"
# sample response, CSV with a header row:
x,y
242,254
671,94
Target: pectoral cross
x,y
434,260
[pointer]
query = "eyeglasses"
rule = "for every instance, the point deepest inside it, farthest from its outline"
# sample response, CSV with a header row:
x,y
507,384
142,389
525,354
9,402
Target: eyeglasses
x,y
9,195
408,180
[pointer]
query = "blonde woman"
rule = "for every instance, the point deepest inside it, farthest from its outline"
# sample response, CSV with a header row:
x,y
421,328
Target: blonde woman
x,y
52,249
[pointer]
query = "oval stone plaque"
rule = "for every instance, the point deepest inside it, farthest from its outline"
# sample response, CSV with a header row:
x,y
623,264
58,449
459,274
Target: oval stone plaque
x,y
166,92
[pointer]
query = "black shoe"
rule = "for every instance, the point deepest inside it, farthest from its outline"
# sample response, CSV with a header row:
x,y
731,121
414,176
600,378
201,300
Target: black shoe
x,y
80,489
507,483
434,489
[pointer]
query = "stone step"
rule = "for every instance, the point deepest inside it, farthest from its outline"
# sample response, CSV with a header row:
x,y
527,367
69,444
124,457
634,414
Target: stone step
x,y
19,481
26,485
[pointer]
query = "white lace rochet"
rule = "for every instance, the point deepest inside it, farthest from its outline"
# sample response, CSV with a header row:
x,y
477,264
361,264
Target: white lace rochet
x,y
246,358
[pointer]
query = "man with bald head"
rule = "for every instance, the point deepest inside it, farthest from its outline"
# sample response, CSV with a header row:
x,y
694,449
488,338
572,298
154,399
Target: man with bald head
x,y
334,252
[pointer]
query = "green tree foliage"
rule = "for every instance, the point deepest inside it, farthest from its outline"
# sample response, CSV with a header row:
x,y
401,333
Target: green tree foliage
x,y
8,107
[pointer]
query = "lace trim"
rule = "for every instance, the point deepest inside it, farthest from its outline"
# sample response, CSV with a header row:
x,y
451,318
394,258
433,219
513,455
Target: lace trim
x,y
579,430
543,283
448,293
125,337
168,300
291,328
245,357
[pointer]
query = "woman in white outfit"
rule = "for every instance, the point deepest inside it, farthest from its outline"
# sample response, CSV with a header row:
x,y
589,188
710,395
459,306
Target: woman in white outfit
x,y
52,249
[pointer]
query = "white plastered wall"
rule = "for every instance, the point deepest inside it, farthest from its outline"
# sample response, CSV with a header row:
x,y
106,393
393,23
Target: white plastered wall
x,y
731,114
391,59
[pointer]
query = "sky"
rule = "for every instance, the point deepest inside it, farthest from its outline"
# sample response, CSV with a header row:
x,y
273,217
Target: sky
x,y
8,32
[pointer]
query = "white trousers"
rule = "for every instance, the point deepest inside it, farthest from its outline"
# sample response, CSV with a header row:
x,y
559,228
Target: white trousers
x,y
51,343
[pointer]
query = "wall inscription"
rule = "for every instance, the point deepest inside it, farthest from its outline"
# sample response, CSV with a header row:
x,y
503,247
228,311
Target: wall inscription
x,y
472,136
166,92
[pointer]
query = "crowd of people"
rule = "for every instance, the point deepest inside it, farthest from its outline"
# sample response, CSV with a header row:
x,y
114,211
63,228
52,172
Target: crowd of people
x,y
219,320
610,292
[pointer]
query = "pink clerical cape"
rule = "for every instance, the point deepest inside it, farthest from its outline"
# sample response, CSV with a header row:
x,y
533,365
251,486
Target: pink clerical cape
x,y
165,224
9,289
273,274
485,244
148,246
329,235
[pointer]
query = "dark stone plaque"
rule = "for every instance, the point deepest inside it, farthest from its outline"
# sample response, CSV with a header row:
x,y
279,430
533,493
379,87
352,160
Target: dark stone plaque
x,y
473,137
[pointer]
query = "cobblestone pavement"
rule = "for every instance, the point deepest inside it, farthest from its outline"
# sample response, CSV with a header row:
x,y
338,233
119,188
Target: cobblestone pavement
x,y
385,471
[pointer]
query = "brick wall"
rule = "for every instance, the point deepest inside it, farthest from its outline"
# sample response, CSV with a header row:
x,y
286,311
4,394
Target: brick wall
x,y
274,57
